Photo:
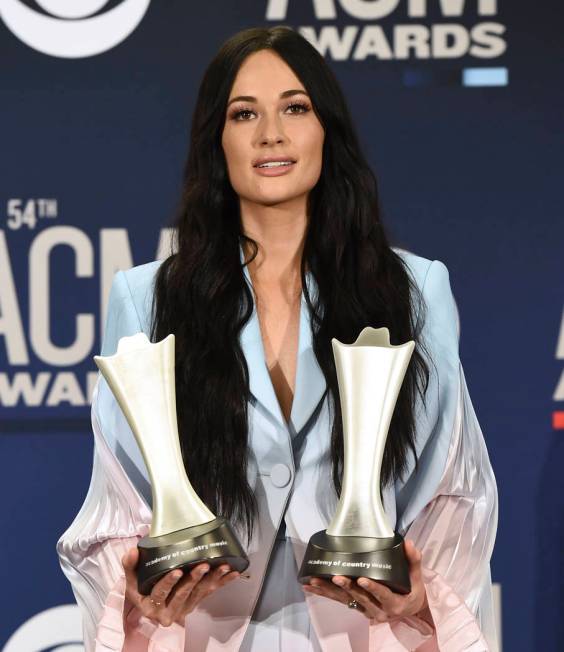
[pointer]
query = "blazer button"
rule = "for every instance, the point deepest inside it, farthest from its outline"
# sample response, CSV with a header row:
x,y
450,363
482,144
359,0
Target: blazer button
x,y
280,475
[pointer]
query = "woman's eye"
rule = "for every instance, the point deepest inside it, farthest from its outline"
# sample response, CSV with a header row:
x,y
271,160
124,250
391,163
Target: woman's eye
x,y
242,113
304,108
237,114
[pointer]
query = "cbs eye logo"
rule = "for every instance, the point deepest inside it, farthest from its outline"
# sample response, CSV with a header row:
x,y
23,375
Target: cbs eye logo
x,y
71,30
58,629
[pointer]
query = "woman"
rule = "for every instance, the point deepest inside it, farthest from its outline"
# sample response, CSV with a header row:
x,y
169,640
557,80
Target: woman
x,y
280,249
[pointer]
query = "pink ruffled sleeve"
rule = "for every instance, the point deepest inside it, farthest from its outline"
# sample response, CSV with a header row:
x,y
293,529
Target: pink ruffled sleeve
x,y
111,520
456,534
451,515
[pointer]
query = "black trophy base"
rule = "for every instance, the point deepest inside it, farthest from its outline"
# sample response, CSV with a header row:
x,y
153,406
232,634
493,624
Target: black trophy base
x,y
382,560
214,543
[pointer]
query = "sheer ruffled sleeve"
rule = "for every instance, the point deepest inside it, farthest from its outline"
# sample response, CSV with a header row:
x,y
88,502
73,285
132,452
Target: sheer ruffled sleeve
x,y
111,520
448,507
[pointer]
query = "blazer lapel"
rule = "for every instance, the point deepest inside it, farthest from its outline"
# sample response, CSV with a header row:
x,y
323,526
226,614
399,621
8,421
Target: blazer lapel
x,y
310,382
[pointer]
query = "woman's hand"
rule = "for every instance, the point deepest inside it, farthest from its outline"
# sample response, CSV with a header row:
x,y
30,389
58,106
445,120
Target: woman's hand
x,y
174,596
376,600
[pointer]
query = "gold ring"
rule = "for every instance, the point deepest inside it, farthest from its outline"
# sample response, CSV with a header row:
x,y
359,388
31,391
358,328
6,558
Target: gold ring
x,y
353,604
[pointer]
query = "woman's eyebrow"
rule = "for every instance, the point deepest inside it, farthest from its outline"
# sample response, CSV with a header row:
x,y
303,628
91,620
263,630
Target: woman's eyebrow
x,y
250,98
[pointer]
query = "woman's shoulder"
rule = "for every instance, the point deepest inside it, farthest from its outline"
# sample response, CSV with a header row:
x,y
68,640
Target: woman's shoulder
x,y
140,283
140,278
129,304
442,319
430,275
418,266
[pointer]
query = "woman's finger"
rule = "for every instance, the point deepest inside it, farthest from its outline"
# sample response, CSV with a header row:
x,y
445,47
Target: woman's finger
x,y
214,580
160,592
327,589
414,558
366,600
129,561
207,585
184,589
389,601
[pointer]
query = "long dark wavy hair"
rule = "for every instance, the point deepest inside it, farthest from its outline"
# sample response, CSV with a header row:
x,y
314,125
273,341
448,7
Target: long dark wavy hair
x,y
201,294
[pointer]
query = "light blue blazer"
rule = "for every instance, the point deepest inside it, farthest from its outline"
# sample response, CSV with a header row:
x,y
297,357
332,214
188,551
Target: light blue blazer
x,y
129,310
448,506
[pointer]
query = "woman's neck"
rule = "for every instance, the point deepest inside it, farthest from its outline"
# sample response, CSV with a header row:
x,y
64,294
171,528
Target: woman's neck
x,y
280,235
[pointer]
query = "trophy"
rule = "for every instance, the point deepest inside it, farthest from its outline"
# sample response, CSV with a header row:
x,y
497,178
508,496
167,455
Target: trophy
x,y
360,542
184,532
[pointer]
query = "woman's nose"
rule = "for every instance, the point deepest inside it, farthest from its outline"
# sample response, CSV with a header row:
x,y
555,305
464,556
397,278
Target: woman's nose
x,y
270,130
275,139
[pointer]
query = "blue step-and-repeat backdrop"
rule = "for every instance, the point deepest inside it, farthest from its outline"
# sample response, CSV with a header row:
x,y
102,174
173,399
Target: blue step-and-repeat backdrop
x,y
459,104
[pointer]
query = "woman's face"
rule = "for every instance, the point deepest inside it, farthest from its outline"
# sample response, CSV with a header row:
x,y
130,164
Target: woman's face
x,y
272,121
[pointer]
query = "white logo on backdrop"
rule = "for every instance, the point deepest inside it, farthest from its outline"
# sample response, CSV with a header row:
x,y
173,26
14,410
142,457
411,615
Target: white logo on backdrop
x,y
72,31
57,629
464,28
58,383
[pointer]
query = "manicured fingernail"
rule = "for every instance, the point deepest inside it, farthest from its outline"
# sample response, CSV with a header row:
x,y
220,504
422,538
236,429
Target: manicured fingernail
x,y
176,575
339,580
363,582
